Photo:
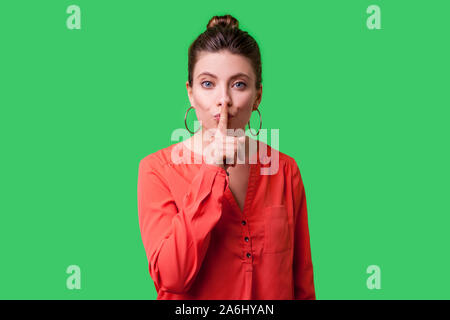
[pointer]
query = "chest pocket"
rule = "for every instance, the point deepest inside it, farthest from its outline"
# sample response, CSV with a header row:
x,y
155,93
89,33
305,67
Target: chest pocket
x,y
277,230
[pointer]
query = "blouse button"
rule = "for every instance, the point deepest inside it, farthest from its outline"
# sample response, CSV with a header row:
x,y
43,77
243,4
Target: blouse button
x,y
246,239
248,255
243,222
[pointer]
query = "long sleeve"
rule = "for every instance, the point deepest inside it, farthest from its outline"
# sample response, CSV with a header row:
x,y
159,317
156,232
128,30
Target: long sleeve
x,y
176,238
303,267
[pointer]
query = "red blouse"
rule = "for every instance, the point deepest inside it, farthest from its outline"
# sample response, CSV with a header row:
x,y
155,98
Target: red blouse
x,y
201,245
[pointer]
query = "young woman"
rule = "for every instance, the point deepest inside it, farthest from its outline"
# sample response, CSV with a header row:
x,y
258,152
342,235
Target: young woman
x,y
231,222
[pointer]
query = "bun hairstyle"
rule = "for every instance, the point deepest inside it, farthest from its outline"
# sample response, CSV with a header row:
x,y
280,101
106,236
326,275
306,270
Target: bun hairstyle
x,y
223,33
225,21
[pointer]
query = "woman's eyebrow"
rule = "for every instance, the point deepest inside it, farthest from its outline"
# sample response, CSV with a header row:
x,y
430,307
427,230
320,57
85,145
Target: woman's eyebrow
x,y
206,73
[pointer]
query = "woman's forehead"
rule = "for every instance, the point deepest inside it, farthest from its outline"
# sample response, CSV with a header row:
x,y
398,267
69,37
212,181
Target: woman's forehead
x,y
223,65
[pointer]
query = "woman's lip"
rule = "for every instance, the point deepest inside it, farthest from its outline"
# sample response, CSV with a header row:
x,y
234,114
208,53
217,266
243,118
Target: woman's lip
x,y
217,116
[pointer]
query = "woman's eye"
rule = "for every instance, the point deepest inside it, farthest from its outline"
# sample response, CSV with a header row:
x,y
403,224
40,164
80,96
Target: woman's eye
x,y
242,83
206,82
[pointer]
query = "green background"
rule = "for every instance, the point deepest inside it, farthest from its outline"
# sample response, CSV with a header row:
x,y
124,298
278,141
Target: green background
x,y
364,112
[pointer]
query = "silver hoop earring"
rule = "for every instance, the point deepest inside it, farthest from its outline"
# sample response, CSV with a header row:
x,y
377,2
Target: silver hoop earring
x,y
260,124
185,124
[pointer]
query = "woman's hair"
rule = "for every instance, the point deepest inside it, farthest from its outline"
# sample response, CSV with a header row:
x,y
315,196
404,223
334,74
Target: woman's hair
x,y
223,33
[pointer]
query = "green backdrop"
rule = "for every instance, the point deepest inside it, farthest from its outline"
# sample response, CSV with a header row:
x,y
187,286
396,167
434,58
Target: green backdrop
x,y
364,112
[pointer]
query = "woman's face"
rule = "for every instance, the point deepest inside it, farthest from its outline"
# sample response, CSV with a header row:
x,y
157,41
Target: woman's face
x,y
223,79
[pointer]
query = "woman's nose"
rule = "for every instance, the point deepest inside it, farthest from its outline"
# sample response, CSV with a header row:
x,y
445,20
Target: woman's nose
x,y
224,98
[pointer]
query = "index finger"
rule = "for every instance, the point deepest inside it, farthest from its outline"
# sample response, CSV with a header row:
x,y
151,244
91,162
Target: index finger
x,y
222,126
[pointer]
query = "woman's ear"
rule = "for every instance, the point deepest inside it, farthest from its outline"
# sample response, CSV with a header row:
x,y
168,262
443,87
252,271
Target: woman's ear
x,y
258,99
189,91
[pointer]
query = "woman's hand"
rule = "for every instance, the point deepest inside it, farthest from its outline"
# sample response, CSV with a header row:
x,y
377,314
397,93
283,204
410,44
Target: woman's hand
x,y
222,150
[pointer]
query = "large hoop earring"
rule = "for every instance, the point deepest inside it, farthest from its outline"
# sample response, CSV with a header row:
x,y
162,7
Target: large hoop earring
x,y
260,124
185,124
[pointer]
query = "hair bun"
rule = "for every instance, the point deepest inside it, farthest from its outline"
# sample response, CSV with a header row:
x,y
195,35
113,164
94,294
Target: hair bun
x,y
226,21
